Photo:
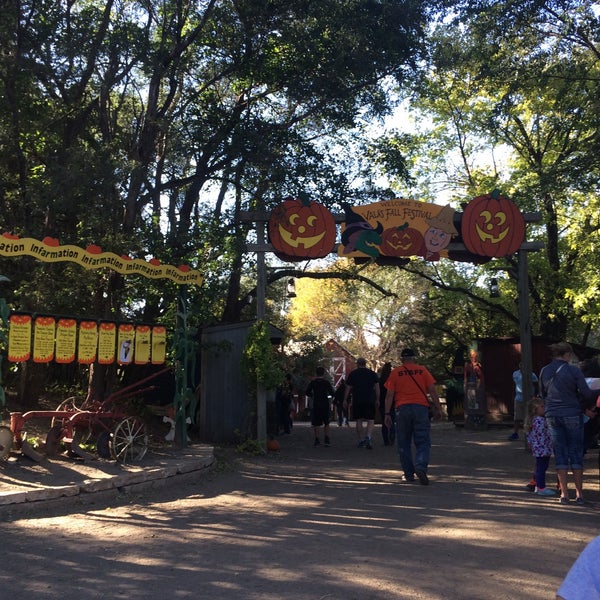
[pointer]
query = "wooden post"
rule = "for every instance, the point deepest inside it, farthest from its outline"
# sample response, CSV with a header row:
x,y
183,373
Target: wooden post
x,y
261,282
525,326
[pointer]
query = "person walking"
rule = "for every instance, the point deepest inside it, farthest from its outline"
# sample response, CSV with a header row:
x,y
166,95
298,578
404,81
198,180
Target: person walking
x,y
363,384
387,433
562,385
338,398
321,391
520,405
540,442
409,388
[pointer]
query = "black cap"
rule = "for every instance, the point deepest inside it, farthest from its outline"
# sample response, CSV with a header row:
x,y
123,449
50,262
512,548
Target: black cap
x,y
407,352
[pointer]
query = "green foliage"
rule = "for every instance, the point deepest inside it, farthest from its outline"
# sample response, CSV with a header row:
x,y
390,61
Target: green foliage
x,y
260,362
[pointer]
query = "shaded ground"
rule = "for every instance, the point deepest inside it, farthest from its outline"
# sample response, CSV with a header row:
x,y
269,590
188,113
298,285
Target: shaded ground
x,y
312,524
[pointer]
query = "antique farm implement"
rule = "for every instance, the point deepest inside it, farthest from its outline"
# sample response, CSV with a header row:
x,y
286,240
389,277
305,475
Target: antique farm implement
x,y
106,424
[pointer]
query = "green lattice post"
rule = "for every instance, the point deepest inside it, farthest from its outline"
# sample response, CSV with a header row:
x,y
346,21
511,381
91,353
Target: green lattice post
x,y
184,401
4,314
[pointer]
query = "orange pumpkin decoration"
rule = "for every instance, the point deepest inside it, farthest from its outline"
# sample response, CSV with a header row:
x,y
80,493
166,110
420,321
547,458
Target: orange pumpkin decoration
x,y
300,229
273,445
401,241
492,226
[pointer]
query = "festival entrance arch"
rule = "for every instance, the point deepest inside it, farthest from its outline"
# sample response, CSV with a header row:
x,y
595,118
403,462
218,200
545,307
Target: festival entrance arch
x,y
390,231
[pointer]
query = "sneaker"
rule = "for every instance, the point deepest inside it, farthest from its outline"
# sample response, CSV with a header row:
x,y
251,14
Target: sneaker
x,y
545,492
368,444
564,500
327,442
317,441
362,443
530,487
580,501
408,478
513,436
423,479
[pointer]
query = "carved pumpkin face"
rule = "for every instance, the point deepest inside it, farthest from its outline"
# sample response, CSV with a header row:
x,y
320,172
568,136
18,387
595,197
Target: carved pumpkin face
x,y
401,241
492,226
300,229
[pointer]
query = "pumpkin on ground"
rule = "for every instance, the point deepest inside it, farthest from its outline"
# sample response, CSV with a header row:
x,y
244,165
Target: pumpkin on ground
x,y
492,225
300,229
273,445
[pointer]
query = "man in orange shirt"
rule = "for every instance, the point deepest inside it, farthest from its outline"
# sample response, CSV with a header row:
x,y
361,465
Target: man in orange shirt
x,y
410,388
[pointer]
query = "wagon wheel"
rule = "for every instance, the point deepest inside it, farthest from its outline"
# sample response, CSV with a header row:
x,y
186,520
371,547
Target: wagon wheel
x,y
129,441
73,403
6,442
103,444
53,440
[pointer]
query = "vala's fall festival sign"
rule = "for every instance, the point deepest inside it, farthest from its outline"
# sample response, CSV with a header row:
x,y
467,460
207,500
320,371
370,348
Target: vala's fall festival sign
x,y
50,250
490,226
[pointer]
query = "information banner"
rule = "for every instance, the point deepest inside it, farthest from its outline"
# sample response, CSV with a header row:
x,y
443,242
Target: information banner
x,y
88,342
66,340
43,339
19,338
159,344
142,344
125,342
107,343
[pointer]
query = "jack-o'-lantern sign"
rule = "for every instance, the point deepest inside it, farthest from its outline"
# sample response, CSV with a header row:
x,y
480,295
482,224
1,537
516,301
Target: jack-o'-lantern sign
x,y
300,229
401,241
492,225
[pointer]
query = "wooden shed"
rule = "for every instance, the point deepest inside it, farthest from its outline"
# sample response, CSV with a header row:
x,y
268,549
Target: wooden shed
x,y
226,409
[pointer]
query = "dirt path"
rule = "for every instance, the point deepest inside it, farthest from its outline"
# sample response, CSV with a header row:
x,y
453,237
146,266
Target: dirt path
x,y
312,524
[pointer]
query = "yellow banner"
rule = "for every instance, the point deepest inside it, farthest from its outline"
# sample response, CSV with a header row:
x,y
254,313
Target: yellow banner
x,y
142,344
159,344
66,340
88,342
107,340
50,250
43,339
125,341
19,338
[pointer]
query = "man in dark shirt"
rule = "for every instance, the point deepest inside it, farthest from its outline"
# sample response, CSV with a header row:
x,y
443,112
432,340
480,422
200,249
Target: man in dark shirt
x,y
321,391
363,384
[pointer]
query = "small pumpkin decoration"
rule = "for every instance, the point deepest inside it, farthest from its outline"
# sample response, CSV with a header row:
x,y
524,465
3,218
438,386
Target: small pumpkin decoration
x,y
273,445
492,225
300,229
401,241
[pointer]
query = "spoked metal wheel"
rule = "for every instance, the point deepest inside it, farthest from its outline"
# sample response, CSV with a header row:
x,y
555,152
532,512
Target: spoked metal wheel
x,y
6,442
129,441
72,404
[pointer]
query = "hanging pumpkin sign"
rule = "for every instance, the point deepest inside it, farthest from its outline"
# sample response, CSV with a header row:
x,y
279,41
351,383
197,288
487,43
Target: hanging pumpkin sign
x,y
401,241
492,226
300,229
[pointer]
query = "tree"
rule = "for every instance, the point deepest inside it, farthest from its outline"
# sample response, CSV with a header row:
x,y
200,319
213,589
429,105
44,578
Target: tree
x,y
520,79
147,129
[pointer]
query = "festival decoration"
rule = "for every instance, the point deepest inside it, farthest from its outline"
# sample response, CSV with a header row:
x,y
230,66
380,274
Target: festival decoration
x,y
301,229
66,340
107,341
142,344
492,225
19,337
93,257
401,241
399,227
88,342
43,339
